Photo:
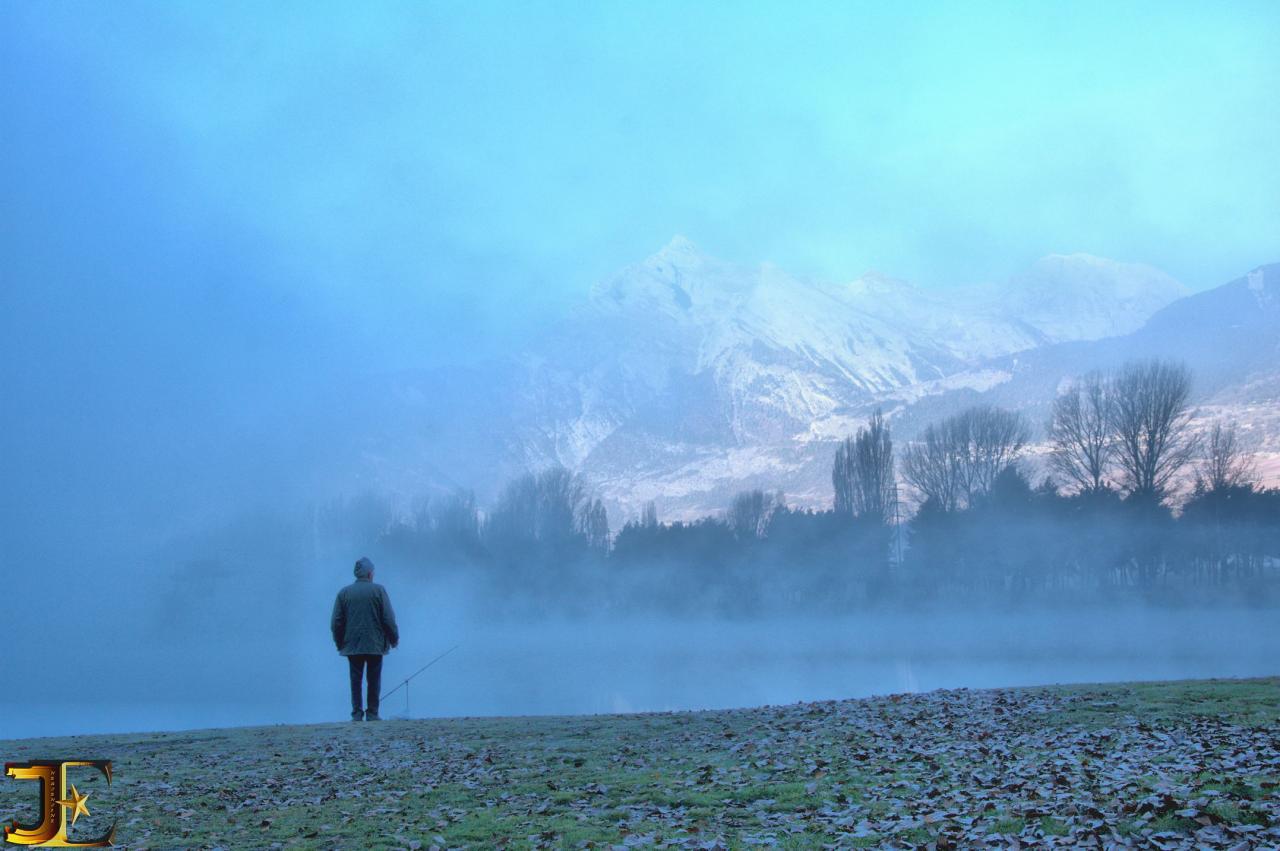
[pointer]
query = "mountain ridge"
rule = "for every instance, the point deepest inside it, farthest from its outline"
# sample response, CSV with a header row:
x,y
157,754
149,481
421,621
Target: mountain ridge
x,y
683,378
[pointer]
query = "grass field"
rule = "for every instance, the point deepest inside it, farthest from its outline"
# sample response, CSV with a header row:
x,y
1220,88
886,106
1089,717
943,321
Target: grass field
x,y
1167,765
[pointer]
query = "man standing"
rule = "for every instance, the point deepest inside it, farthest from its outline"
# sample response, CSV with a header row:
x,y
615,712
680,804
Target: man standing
x,y
364,628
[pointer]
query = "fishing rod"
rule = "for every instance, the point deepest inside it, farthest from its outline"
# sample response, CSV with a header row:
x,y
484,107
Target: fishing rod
x,y
405,681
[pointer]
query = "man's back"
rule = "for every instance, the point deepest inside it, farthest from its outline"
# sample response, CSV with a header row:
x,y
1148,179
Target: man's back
x,y
363,622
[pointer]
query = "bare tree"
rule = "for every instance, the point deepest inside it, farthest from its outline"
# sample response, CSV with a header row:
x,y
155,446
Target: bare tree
x,y
1225,462
649,516
960,458
932,467
456,514
844,475
1080,432
1151,415
514,518
863,474
593,525
451,521
561,499
552,506
993,438
750,512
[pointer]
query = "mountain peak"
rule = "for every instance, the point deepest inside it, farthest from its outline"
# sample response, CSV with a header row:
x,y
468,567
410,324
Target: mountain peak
x,y
679,251
670,281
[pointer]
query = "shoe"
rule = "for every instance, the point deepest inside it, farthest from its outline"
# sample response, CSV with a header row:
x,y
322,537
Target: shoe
x,y
357,716
371,716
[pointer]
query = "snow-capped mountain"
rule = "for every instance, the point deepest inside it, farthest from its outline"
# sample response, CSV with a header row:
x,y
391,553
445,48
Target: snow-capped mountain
x,y
1228,335
684,378
756,354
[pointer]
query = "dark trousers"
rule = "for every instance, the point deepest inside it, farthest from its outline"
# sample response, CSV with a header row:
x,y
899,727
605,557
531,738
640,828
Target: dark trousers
x,y
369,667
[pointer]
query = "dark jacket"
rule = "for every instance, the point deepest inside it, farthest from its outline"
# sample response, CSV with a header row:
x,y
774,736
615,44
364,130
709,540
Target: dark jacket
x,y
363,622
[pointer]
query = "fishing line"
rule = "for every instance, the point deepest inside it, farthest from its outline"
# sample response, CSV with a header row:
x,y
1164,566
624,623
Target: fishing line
x,y
405,681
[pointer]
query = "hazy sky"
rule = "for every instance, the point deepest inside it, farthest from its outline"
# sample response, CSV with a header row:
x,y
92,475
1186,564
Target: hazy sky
x,y
451,157
211,210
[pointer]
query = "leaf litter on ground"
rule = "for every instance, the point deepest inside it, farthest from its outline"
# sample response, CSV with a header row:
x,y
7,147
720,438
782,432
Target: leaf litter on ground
x,y
1146,765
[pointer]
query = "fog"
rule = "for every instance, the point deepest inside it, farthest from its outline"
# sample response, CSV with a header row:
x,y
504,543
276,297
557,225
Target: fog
x,y
249,645
222,227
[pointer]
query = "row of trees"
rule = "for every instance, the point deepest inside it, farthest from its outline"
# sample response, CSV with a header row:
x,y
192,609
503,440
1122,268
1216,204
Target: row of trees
x,y
1132,427
1129,431
1118,446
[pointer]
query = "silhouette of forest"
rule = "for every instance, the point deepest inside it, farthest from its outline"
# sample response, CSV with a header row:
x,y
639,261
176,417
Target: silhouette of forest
x,y
1129,503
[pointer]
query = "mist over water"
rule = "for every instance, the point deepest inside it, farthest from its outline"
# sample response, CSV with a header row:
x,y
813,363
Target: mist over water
x,y
253,258
251,647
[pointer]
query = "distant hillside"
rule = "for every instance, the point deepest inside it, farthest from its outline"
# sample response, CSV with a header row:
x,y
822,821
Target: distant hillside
x,y
683,379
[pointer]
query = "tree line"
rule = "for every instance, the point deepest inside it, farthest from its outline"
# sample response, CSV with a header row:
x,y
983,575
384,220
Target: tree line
x,y
1132,500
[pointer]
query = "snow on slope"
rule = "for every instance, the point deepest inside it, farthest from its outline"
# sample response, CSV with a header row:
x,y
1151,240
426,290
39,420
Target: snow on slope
x,y
1081,297
683,377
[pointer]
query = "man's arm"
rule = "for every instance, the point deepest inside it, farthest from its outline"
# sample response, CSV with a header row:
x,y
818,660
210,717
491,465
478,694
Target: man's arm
x,y
338,621
389,620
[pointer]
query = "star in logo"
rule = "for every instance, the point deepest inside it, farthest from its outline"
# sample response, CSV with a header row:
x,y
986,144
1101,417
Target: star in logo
x,y
75,803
